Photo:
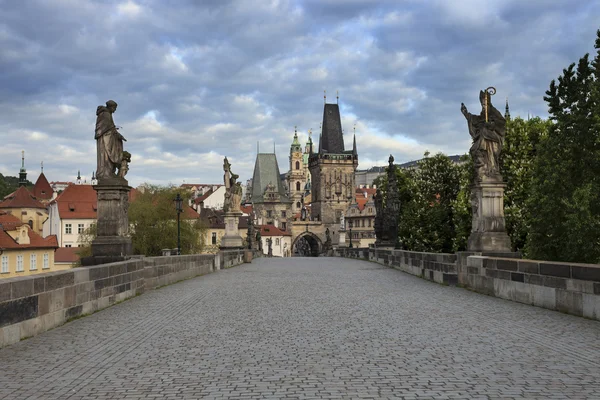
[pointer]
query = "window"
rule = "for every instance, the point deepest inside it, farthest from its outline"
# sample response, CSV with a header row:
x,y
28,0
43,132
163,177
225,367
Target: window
x,y
297,164
363,223
30,223
283,226
298,205
32,262
46,264
276,242
214,238
68,229
269,213
68,245
297,186
20,263
369,222
4,265
80,228
283,214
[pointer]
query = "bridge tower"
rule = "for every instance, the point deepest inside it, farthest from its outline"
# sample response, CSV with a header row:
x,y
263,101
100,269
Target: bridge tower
x,y
332,170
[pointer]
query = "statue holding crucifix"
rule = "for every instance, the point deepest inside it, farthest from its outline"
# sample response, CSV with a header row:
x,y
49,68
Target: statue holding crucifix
x,y
487,130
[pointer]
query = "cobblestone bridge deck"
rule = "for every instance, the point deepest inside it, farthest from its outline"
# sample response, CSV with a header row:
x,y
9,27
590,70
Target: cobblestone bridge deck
x,y
309,328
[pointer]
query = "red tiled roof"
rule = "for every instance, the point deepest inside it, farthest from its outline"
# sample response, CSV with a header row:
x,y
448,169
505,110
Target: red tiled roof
x,y
42,189
246,209
200,199
36,241
77,202
67,254
270,230
189,213
8,221
361,203
21,198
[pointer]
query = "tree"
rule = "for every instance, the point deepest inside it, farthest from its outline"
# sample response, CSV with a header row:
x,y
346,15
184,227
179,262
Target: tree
x,y
516,165
427,220
153,221
461,206
565,190
9,184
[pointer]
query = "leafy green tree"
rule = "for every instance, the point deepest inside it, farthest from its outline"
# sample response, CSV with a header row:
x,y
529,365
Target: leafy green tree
x,y
565,190
427,220
153,221
516,166
461,206
9,184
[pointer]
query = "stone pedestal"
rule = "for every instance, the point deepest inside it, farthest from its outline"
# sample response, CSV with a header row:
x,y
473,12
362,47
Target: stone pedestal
x,y
342,241
112,242
488,232
232,238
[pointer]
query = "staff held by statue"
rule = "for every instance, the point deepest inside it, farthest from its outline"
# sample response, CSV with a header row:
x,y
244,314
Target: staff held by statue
x,y
491,91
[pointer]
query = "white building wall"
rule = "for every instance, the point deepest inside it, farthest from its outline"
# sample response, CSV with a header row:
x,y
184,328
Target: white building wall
x,y
216,199
282,245
73,239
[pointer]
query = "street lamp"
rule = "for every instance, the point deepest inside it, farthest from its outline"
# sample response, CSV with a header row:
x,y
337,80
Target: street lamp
x,y
350,226
179,207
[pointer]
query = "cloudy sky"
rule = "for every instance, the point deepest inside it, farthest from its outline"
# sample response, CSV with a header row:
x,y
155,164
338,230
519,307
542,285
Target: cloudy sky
x,y
198,80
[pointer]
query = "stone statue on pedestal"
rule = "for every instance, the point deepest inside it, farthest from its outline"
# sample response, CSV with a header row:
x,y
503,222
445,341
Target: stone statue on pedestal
x,y
250,233
270,244
109,142
488,231
112,242
378,225
231,207
487,130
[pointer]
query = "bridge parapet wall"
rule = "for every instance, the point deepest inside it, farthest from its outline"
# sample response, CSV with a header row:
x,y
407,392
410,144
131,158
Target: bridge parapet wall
x,y
33,304
437,267
566,287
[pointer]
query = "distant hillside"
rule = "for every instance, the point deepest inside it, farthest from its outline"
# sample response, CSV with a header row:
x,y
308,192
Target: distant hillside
x,y
9,184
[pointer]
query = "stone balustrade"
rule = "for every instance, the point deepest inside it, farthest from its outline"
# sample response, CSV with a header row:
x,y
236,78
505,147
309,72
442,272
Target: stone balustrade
x,y
33,304
566,287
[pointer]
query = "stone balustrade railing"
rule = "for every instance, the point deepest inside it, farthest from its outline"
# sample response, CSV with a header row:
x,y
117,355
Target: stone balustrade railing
x,y
33,304
566,287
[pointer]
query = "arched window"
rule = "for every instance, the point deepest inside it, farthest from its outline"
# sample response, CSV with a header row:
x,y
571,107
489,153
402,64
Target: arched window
x,y
276,242
298,205
30,223
297,186
297,164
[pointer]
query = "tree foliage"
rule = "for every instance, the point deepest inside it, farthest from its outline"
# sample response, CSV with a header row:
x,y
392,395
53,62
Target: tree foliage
x,y
565,190
516,165
153,223
9,184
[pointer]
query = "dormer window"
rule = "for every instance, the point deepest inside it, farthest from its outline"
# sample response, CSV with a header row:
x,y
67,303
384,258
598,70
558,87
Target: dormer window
x,y
71,207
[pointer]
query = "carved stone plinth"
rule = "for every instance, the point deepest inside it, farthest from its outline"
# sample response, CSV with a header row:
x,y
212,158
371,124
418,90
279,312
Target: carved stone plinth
x,y
232,238
112,242
488,232
342,241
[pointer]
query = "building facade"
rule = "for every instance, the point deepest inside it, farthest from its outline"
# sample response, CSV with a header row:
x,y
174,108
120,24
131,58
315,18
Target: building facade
x,y
22,251
298,176
360,216
281,241
71,214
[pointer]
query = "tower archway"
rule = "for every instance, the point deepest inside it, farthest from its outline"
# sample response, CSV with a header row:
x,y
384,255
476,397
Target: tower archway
x,y
307,245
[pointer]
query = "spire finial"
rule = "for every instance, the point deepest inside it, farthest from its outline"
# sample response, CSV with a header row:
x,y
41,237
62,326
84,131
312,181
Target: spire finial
x,y
325,96
337,96
506,110
22,158
354,129
42,165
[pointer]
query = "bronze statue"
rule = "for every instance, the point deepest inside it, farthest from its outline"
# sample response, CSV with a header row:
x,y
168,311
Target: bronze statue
x,y
109,143
487,130
233,189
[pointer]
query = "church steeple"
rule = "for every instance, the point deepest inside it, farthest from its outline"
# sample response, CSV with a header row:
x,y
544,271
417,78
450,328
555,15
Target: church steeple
x,y
22,171
78,181
332,137
506,111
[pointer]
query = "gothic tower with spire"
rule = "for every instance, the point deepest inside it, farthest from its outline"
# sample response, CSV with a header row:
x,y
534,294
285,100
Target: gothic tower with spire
x,y
332,170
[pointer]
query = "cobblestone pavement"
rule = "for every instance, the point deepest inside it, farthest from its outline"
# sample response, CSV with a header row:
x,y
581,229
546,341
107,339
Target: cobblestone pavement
x,y
306,328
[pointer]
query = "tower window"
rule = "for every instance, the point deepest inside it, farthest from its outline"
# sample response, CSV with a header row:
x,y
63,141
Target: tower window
x,y
297,186
297,164
298,205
